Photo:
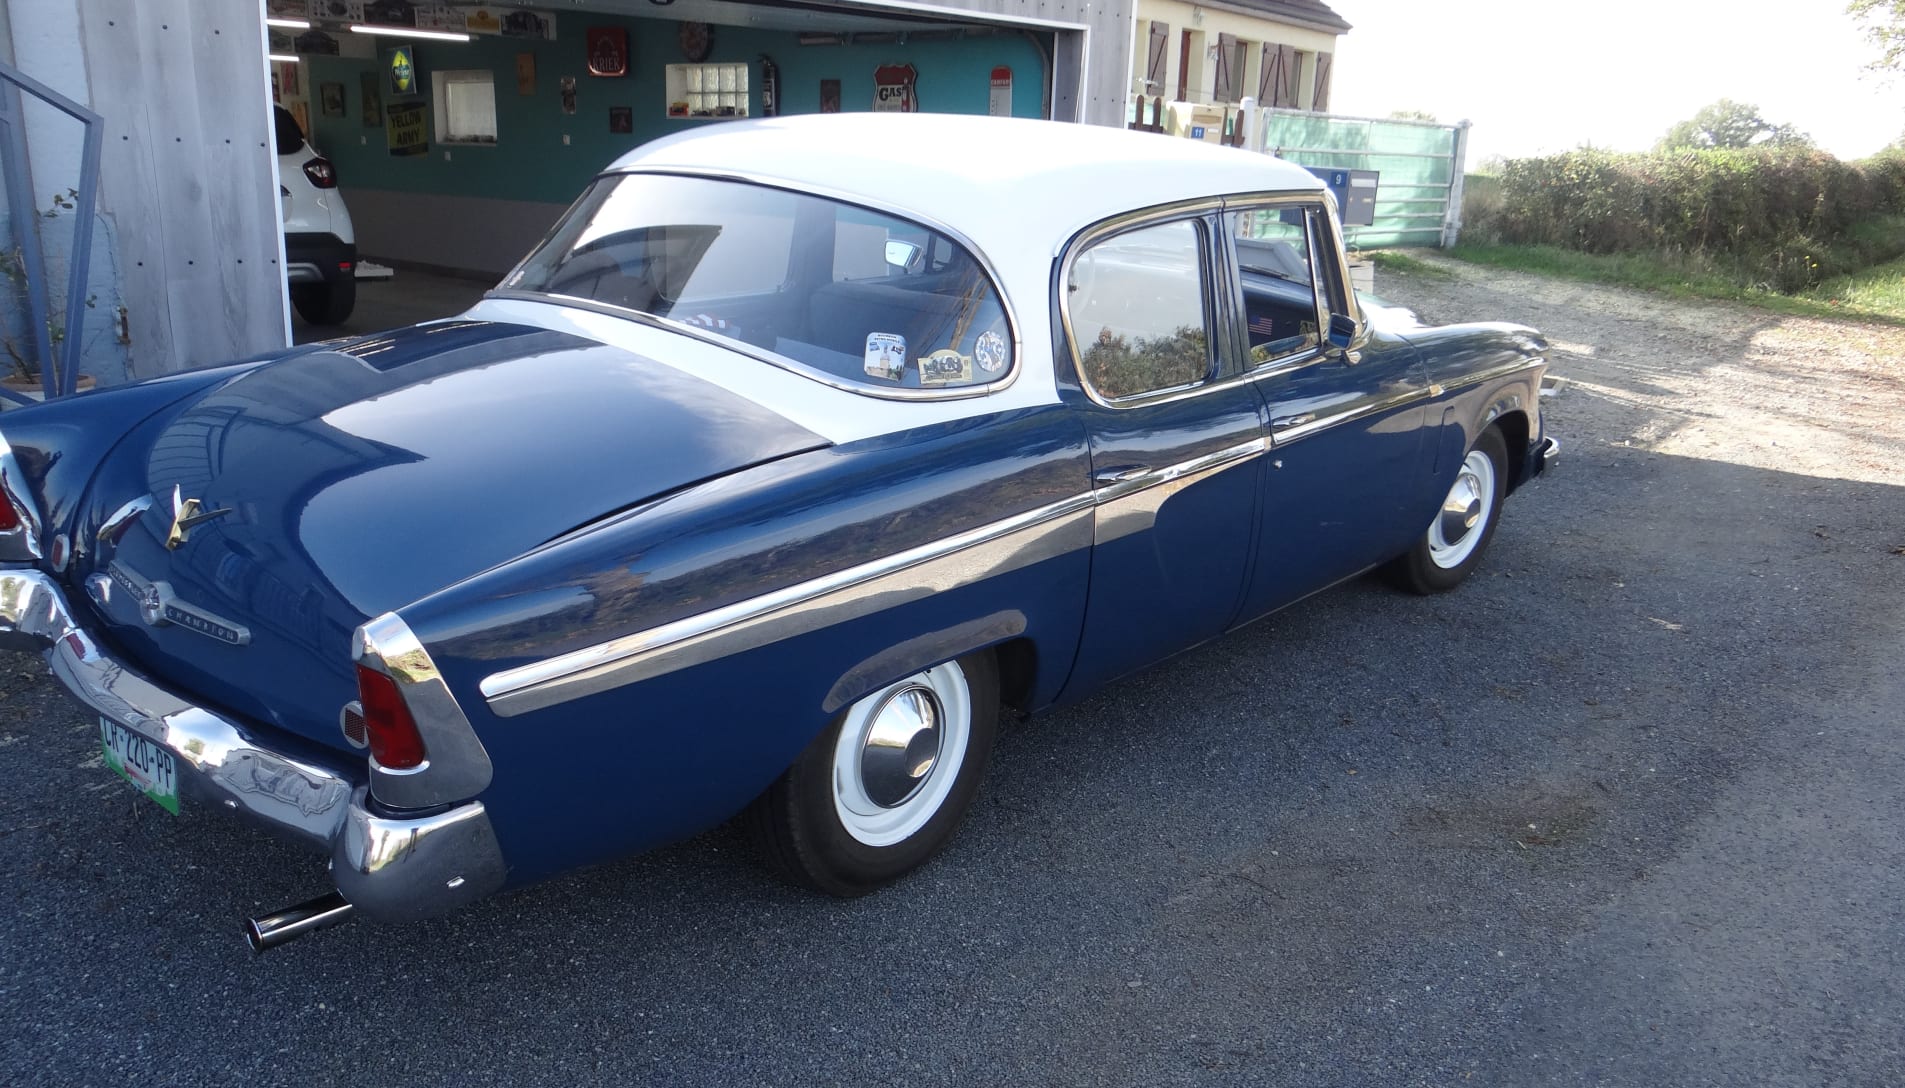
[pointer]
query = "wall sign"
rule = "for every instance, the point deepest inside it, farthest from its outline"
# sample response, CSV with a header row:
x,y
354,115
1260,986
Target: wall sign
x,y
568,94
1000,104
608,51
370,90
400,65
770,87
896,89
406,130
829,96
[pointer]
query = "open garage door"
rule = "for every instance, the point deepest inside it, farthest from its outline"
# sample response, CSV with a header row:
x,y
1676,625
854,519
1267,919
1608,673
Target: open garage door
x,y
453,136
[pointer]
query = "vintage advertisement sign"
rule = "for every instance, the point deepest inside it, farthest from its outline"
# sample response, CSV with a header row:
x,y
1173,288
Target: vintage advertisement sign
x,y
1000,104
896,89
407,129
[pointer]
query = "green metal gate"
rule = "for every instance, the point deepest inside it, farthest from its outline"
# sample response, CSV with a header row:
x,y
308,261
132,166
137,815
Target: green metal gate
x,y
1419,196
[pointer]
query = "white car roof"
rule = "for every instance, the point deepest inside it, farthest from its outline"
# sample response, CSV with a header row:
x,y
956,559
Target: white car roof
x,y
1002,181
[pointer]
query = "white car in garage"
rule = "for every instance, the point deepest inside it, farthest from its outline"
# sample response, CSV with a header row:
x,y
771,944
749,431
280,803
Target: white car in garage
x,y
320,247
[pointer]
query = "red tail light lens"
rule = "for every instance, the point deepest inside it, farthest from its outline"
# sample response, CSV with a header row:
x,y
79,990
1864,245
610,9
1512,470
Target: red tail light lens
x,y
322,173
9,517
394,740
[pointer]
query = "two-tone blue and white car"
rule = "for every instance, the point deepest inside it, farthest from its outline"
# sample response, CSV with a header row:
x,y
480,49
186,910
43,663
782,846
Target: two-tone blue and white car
x,y
797,450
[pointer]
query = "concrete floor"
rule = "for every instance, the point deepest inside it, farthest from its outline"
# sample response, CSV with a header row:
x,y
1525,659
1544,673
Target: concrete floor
x,y
405,299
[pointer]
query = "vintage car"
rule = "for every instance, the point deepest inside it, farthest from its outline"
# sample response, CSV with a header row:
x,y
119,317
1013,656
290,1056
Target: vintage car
x,y
796,450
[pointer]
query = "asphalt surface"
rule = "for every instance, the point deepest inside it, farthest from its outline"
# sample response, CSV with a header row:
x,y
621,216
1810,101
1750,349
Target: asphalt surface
x,y
1622,810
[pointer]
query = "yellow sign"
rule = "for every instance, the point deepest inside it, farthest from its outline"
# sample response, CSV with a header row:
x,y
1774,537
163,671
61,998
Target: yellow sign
x,y
406,128
403,71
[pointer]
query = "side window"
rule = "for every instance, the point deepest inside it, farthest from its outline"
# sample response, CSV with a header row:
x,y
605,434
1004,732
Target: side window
x,y
1136,304
1279,285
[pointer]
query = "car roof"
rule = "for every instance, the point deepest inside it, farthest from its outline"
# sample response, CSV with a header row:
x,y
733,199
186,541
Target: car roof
x,y
980,175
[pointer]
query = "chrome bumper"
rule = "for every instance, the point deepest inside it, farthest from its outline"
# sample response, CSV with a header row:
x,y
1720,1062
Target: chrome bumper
x,y
1550,453
390,869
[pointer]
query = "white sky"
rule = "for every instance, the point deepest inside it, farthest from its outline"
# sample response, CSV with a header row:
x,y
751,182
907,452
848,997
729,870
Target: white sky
x,y
1549,75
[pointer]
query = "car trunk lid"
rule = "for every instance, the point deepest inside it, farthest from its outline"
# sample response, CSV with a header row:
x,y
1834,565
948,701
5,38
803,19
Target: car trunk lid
x,y
317,491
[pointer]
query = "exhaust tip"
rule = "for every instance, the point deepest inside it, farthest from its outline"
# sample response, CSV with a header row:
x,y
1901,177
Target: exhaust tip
x,y
291,923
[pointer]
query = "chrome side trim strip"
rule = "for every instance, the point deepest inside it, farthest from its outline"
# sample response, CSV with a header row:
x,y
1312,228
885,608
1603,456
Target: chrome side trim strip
x,y
456,767
1297,431
1131,505
1503,371
961,560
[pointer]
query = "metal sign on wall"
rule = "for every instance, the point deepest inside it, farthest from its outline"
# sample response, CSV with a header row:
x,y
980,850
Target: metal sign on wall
x,y
896,89
406,129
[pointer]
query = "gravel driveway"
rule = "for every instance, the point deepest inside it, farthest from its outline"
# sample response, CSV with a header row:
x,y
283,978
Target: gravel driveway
x,y
1623,810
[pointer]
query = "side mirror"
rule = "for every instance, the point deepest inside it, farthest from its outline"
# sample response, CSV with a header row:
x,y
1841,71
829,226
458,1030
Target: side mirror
x,y
900,254
1342,330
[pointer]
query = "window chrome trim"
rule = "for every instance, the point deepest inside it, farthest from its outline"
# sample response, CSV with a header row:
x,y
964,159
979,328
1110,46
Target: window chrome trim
x,y
769,181
456,767
935,567
22,544
1068,255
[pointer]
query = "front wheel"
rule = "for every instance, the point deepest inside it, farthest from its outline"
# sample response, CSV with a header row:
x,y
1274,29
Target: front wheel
x,y
884,787
1453,544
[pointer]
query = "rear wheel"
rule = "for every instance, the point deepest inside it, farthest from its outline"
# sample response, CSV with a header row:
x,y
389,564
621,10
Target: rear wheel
x,y
327,303
1453,544
884,787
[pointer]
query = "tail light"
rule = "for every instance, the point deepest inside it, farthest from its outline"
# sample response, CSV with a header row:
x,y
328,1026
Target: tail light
x,y
9,517
322,173
394,740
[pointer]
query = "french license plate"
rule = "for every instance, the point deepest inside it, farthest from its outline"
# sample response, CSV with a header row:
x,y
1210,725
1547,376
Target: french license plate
x,y
142,762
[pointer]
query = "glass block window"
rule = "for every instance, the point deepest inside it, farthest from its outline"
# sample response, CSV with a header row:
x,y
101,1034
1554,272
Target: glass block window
x,y
707,90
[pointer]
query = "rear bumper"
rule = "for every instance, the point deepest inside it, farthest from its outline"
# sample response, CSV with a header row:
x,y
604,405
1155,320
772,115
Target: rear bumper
x,y
312,257
391,868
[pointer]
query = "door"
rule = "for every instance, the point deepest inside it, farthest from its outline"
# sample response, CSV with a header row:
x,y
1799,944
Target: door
x,y
1345,423
1176,443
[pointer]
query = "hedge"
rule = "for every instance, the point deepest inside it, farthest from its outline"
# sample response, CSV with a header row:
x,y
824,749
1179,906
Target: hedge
x,y
1787,217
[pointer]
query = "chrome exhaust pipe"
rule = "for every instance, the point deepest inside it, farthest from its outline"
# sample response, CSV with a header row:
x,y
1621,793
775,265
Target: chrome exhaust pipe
x,y
293,922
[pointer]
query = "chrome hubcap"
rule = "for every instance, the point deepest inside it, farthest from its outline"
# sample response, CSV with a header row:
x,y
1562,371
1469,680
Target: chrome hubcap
x,y
898,755
1458,526
901,746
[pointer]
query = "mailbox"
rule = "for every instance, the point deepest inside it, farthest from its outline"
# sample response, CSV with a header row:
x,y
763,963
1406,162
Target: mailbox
x,y
1355,192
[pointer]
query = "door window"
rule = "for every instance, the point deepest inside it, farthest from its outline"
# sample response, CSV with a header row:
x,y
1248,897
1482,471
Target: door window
x,y
1274,252
1136,306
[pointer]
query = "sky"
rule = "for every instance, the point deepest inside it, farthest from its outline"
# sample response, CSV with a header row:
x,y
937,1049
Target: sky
x,y
1538,76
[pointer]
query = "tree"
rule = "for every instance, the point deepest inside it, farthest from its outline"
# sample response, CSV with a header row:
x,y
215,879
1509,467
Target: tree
x,y
1885,24
1727,123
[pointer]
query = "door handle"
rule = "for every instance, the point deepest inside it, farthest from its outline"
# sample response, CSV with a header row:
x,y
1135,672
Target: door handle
x,y
1285,422
1106,477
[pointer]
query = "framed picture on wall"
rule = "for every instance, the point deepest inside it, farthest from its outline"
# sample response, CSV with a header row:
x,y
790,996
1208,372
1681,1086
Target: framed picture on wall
x,y
608,51
525,73
829,96
622,119
331,99
367,89
290,81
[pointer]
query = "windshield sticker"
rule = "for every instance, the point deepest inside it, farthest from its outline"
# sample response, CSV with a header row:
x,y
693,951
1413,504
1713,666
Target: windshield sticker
x,y
944,367
989,352
886,355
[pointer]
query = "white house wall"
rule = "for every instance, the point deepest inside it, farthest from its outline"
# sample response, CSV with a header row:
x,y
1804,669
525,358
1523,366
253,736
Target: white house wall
x,y
1207,23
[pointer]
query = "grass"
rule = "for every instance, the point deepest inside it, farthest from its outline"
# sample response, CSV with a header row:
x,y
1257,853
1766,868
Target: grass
x,y
1392,260
1875,294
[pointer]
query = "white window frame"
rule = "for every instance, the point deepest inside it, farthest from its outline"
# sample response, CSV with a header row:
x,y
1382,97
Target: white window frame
x,y
440,85
707,89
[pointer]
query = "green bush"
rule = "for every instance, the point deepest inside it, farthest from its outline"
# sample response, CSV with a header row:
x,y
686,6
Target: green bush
x,y
1781,218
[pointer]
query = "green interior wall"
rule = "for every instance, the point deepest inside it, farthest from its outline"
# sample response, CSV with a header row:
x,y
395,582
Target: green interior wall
x,y
529,160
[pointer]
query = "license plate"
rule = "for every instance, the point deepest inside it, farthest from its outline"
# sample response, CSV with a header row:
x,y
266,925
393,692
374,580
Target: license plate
x,y
142,762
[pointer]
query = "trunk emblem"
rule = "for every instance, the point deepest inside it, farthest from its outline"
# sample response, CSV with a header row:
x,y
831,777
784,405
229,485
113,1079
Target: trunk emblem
x,y
159,606
185,515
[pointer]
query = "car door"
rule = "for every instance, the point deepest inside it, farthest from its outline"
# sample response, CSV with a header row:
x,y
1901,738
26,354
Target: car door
x,y
1176,438
1346,420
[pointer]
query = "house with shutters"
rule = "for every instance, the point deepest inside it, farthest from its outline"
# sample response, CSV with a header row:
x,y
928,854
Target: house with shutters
x,y
1218,52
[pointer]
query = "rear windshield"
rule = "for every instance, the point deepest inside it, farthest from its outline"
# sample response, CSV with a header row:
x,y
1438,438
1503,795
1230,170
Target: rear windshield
x,y
290,136
856,296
